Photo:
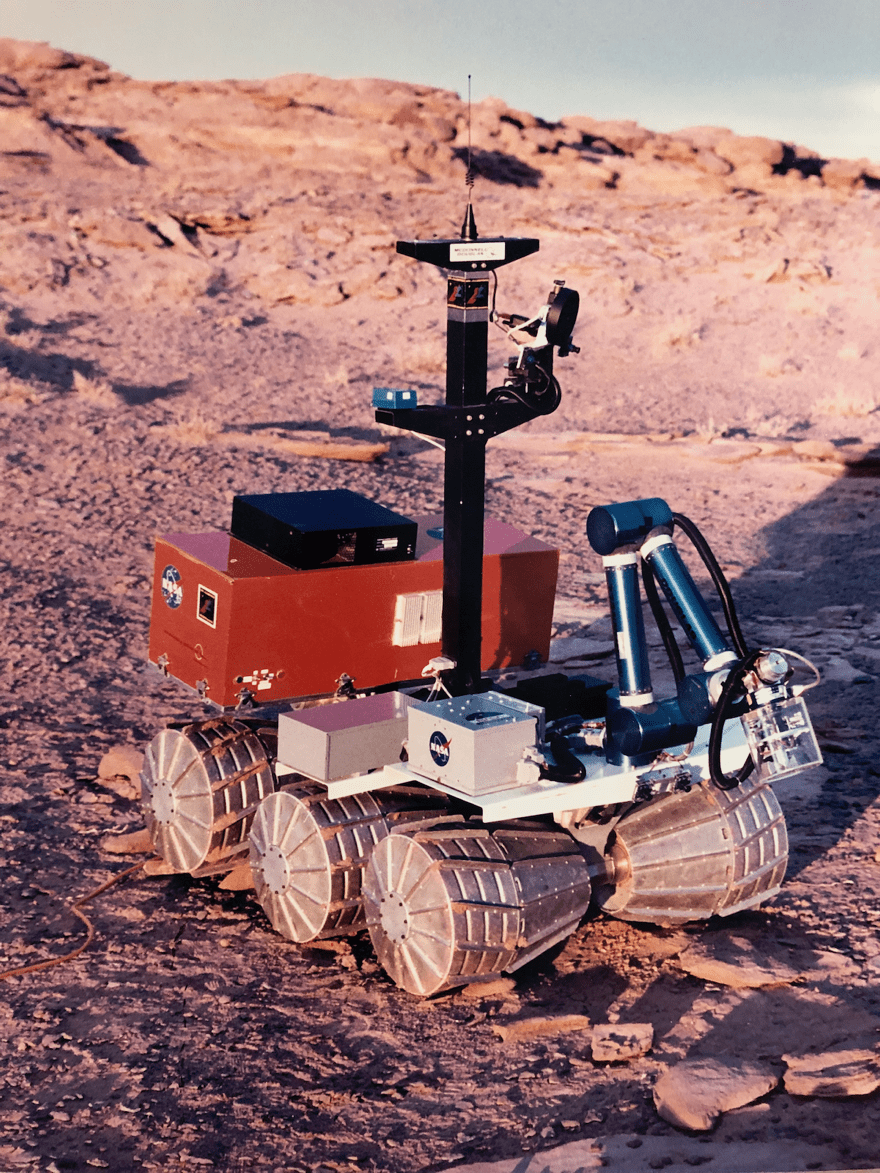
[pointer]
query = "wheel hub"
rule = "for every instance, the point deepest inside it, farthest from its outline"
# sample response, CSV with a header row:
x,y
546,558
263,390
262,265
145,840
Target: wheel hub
x,y
275,870
394,916
163,801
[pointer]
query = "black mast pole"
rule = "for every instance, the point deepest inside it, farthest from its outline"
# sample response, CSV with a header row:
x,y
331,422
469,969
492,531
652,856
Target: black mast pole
x,y
466,423
467,342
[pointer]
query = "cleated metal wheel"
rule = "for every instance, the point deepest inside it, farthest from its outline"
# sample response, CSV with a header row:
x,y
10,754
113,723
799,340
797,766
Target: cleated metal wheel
x,y
685,857
458,903
201,785
308,851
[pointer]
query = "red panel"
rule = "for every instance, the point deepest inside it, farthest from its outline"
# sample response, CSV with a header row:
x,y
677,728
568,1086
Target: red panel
x,y
282,632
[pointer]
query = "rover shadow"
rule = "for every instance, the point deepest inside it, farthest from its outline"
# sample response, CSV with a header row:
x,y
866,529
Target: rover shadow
x,y
819,578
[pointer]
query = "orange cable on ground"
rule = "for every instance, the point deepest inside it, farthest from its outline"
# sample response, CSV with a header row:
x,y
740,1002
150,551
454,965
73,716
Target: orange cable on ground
x,y
74,908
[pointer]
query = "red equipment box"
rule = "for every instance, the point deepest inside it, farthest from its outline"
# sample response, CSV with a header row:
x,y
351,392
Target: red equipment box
x,y
226,617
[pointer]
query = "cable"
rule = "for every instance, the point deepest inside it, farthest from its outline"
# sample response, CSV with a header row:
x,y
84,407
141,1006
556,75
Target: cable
x,y
569,768
90,928
800,689
673,651
721,584
531,399
716,733
552,384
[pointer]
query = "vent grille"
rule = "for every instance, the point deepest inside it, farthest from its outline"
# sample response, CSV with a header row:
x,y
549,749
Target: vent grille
x,y
418,619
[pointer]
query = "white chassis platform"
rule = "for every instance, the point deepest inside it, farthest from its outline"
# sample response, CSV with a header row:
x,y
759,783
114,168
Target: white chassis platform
x,y
605,783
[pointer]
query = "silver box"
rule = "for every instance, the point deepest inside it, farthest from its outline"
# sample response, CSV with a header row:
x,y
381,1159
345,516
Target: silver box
x,y
472,743
344,738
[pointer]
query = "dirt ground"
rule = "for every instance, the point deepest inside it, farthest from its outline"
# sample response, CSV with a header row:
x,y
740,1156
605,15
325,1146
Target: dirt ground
x,y
189,1035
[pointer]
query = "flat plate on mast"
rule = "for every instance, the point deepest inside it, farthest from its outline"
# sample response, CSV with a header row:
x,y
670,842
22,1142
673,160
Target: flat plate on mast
x,y
465,255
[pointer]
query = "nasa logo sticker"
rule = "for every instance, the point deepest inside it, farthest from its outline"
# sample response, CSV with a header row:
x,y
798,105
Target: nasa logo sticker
x,y
439,748
172,588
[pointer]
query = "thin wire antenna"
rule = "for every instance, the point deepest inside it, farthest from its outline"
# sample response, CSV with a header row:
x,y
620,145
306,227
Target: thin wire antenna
x,y
469,227
469,178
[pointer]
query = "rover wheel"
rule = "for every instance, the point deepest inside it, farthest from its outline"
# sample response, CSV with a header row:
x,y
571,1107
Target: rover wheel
x,y
688,856
201,785
458,903
308,852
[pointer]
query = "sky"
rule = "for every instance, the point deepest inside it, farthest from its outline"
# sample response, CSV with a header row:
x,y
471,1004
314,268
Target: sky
x,y
805,71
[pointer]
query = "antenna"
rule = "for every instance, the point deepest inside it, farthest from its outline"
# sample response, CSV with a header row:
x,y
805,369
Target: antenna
x,y
469,227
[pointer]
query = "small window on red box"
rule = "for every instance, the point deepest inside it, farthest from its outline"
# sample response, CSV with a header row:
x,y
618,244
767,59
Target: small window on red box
x,y
207,606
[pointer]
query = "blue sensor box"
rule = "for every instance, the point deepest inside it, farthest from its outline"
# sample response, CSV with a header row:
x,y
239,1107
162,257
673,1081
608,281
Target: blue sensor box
x,y
393,397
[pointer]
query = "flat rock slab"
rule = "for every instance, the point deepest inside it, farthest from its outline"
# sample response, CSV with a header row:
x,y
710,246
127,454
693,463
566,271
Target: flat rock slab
x,y
120,770
693,1094
833,1074
743,963
614,1043
128,843
579,648
499,988
533,1028
736,962
629,1153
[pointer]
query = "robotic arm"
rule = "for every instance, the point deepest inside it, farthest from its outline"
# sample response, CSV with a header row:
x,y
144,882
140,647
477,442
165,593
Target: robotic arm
x,y
734,681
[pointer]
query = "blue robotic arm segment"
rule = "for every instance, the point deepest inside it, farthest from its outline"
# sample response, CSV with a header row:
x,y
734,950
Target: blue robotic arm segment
x,y
633,670
611,528
686,601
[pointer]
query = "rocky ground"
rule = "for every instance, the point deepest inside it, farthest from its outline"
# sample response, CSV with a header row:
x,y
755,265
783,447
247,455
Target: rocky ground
x,y
197,278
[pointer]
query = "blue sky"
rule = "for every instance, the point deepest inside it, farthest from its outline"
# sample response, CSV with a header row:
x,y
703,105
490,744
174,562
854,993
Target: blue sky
x,y
807,71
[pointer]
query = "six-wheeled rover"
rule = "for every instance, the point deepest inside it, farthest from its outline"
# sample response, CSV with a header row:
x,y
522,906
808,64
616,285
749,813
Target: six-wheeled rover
x,y
376,764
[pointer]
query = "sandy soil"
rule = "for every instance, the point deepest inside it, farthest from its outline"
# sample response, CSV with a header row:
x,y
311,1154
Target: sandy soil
x,y
148,373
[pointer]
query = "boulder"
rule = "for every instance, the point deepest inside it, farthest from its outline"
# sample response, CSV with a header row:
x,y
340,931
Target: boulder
x,y
664,146
704,138
625,135
240,879
748,150
128,843
840,671
105,226
22,133
679,149
277,283
594,177
712,164
28,56
660,177
693,1094
843,174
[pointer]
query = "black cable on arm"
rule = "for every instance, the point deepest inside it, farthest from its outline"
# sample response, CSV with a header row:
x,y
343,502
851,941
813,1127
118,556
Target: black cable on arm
x,y
673,651
551,384
569,768
721,584
732,685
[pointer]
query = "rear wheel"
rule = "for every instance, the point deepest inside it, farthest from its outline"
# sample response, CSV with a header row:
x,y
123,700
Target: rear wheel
x,y
688,856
